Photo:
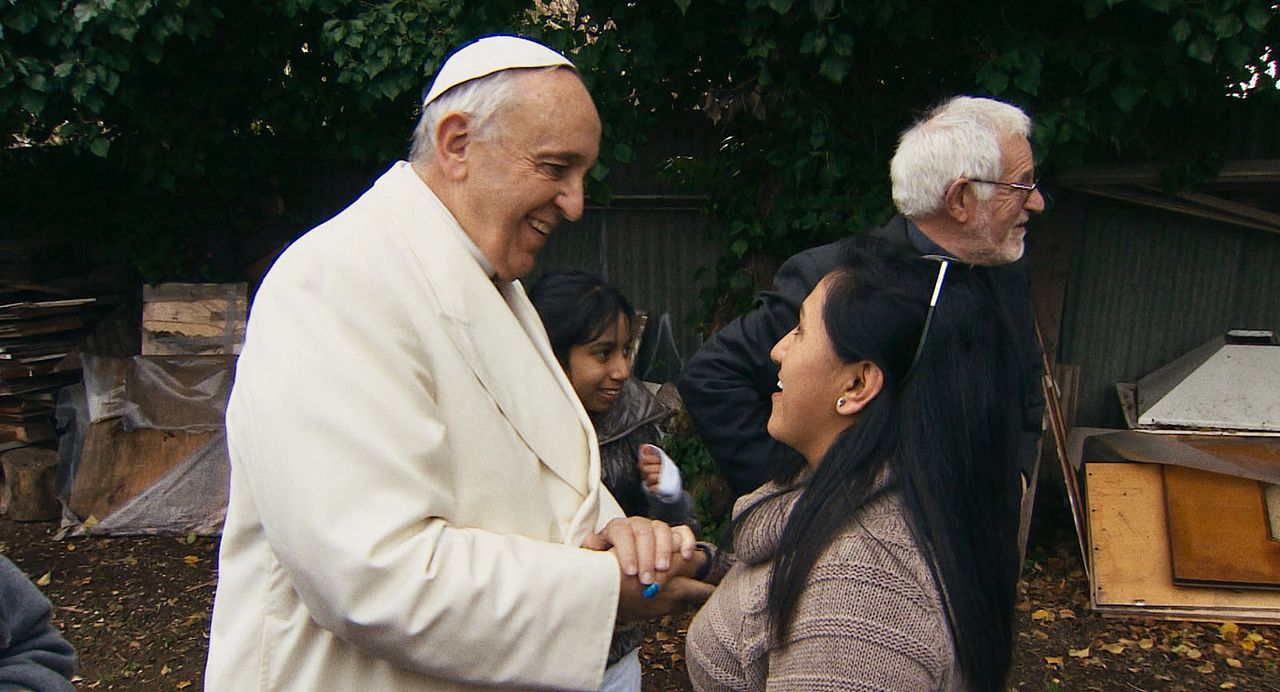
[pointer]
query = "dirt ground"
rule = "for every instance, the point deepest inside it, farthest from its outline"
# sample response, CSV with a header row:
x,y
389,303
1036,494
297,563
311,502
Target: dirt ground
x,y
137,610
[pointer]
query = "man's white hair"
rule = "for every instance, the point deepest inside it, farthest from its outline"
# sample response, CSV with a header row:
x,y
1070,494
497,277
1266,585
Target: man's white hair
x,y
482,100
958,139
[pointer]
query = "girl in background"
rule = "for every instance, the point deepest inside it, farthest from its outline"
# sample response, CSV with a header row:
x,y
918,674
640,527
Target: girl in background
x,y
589,324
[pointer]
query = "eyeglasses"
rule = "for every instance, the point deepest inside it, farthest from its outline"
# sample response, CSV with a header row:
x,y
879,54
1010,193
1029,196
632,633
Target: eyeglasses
x,y
1020,187
943,263
1027,188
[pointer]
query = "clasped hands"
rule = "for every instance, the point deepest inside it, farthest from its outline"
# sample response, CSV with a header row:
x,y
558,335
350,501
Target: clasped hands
x,y
651,552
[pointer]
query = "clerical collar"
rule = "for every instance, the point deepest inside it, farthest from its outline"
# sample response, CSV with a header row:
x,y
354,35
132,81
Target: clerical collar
x,y
474,249
454,227
922,243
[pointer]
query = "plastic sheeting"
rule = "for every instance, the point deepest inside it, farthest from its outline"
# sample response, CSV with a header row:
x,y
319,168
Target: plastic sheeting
x,y
187,393
190,498
181,394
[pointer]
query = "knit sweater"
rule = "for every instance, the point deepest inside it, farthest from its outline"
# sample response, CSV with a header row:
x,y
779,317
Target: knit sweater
x,y
870,617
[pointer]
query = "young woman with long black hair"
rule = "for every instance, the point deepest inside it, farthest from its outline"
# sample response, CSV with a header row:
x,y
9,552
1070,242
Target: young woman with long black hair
x,y
887,559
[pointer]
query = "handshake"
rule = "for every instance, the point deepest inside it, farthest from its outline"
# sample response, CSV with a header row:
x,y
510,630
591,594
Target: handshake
x,y
657,562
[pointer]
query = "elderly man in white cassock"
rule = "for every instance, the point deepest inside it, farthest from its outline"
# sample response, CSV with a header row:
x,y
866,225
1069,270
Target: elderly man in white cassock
x,y
416,501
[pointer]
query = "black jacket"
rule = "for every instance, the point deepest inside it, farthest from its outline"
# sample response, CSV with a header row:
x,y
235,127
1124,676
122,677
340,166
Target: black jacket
x,y
727,384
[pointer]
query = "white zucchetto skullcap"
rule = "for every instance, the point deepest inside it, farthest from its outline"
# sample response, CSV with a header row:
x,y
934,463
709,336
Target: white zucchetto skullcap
x,y
488,55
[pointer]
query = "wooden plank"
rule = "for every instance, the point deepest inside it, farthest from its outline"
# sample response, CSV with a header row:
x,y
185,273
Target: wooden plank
x,y
1107,175
27,431
1245,449
46,397
10,370
27,385
1157,199
1229,207
41,326
24,416
1217,614
11,405
44,308
1129,549
117,464
1218,530
24,349
1056,431
193,319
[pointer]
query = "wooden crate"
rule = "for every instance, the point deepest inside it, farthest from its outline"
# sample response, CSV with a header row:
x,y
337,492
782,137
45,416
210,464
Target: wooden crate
x,y
1132,573
193,319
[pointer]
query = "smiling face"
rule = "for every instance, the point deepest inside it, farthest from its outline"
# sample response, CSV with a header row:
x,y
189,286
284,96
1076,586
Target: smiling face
x,y
598,368
997,229
527,178
811,378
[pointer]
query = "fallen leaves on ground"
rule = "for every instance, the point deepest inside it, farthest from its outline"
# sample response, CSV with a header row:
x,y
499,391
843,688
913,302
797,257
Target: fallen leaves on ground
x,y
126,604
1093,652
137,609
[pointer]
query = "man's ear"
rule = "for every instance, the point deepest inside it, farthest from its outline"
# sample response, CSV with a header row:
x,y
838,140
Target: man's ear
x,y
453,138
864,384
954,201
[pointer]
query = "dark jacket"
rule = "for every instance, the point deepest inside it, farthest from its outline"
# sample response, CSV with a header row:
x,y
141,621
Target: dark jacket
x,y
727,384
632,421
33,654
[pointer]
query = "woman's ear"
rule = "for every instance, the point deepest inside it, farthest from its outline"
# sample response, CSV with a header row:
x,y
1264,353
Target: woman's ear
x,y
453,137
864,383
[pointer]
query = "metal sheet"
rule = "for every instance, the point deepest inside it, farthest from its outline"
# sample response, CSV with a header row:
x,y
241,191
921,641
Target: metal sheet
x,y
1147,286
1236,388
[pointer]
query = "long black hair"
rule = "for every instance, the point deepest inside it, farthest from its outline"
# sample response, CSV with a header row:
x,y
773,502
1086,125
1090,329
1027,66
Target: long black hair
x,y
576,307
945,428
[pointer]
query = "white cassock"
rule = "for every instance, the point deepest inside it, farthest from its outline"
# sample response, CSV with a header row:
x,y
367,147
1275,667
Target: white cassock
x,y
411,474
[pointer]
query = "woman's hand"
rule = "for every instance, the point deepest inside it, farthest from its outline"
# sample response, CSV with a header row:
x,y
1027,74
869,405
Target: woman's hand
x,y
652,554
644,546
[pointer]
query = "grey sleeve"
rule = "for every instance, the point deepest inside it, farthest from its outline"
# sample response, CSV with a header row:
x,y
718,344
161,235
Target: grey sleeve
x,y
33,653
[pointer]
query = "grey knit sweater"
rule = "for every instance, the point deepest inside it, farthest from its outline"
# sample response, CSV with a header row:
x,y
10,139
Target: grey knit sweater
x,y
870,618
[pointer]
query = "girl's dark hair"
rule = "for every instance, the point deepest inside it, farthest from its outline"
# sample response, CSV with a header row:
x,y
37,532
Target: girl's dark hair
x,y
576,307
946,430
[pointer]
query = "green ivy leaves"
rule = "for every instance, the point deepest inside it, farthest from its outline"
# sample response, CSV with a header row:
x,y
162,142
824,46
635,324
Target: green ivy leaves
x,y
808,95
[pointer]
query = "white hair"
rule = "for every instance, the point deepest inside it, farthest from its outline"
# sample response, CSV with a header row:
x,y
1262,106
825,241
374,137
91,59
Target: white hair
x,y
958,139
480,99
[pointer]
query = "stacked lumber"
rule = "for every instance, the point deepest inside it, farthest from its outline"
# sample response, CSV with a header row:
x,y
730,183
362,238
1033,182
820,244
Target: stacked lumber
x,y
194,319
42,323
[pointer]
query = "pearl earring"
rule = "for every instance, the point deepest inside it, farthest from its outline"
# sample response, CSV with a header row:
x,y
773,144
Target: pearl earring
x,y
839,403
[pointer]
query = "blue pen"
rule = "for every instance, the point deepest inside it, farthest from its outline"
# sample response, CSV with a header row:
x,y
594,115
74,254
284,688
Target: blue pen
x,y
651,590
